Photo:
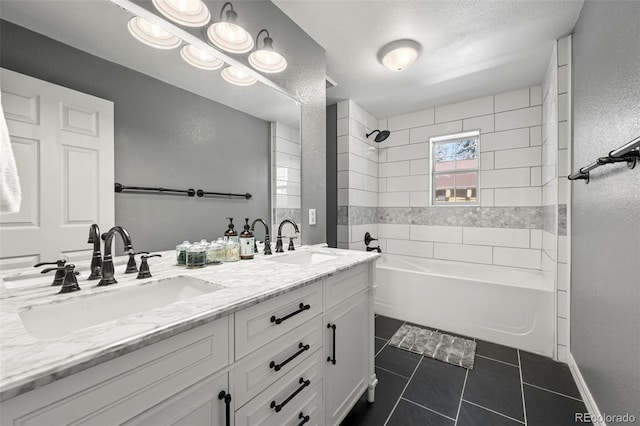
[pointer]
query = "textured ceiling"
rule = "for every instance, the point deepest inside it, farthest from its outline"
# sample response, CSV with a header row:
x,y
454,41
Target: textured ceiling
x,y
469,48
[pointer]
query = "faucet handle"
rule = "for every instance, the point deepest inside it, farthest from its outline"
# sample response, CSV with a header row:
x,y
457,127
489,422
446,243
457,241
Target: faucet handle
x,y
144,266
368,238
59,263
291,246
131,264
59,277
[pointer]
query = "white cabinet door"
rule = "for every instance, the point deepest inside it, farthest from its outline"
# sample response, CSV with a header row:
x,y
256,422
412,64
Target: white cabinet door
x,y
346,379
63,144
202,404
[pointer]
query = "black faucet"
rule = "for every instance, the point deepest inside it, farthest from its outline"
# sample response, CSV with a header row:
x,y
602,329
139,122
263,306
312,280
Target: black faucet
x,y
107,262
279,239
267,243
96,257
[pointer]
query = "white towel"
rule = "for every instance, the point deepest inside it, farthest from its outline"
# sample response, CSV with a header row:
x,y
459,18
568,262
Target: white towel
x,y
10,194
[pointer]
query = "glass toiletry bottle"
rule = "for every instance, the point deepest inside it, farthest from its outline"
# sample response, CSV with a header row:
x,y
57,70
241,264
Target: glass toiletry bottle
x,y
231,234
196,256
232,251
246,242
181,252
215,253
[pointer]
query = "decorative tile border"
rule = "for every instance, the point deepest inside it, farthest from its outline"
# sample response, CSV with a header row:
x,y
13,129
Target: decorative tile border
x,y
482,217
549,218
287,213
359,215
562,220
343,215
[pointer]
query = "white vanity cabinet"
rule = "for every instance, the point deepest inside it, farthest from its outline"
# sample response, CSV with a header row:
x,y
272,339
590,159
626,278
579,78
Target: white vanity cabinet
x,y
347,342
271,364
119,390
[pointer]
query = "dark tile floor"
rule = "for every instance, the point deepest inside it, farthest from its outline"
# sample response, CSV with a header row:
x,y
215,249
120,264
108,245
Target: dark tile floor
x,y
506,387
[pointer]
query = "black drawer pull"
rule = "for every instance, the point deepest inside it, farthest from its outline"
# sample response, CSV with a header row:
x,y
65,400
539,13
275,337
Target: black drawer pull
x,y
227,408
279,407
277,367
329,359
304,419
302,307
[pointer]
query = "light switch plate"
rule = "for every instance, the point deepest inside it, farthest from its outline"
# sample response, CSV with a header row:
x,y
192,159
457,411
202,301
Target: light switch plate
x,y
312,216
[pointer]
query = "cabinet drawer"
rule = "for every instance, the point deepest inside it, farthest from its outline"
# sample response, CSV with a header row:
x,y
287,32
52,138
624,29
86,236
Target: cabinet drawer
x,y
289,393
266,321
345,284
197,405
117,390
255,372
311,405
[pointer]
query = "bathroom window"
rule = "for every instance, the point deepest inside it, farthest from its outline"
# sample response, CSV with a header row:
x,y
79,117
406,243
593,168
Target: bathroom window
x,y
455,165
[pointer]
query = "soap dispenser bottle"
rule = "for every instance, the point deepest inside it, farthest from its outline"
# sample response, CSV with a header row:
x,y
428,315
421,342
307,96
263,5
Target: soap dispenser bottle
x,y
231,234
246,242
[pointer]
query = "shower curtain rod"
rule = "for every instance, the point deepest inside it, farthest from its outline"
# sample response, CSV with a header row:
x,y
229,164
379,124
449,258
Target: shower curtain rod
x,y
629,153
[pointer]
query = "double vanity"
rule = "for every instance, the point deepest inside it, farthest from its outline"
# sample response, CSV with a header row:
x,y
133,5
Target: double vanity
x,y
278,340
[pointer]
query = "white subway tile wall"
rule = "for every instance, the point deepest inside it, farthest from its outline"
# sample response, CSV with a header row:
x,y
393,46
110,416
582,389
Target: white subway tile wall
x,y
510,143
519,160
357,165
556,190
286,174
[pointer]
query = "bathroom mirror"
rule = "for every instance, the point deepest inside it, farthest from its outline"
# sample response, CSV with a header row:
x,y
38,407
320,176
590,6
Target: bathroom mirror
x,y
99,27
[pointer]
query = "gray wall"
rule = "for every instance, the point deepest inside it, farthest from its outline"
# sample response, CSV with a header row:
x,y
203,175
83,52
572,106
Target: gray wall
x,y
332,175
605,290
164,136
305,79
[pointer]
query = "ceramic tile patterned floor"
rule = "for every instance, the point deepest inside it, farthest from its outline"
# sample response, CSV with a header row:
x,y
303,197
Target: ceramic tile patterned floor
x,y
507,387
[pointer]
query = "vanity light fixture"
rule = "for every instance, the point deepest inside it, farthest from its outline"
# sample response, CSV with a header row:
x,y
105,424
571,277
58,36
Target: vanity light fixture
x,y
267,59
228,35
238,77
199,58
151,34
400,54
190,13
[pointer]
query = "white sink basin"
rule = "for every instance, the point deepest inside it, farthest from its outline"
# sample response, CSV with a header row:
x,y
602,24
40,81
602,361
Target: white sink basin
x,y
305,258
59,319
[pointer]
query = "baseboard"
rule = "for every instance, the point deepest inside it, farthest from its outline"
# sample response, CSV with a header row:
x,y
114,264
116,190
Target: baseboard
x,y
587,398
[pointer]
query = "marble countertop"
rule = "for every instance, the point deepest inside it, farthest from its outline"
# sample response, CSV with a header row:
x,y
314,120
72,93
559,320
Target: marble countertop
x,y
27,362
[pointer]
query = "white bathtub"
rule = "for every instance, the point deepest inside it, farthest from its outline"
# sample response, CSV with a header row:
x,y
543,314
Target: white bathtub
x,y
509,306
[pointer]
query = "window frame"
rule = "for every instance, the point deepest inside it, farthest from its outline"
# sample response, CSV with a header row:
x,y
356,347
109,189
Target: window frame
x,y
435,140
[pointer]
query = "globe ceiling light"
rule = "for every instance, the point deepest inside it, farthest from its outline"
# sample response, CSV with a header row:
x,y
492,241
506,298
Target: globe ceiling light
x,y
190,13
238,77
199,58
228,35
267,59
151,34
400,54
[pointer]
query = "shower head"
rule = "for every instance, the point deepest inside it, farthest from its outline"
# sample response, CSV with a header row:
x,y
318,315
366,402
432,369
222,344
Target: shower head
x,y
382,135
